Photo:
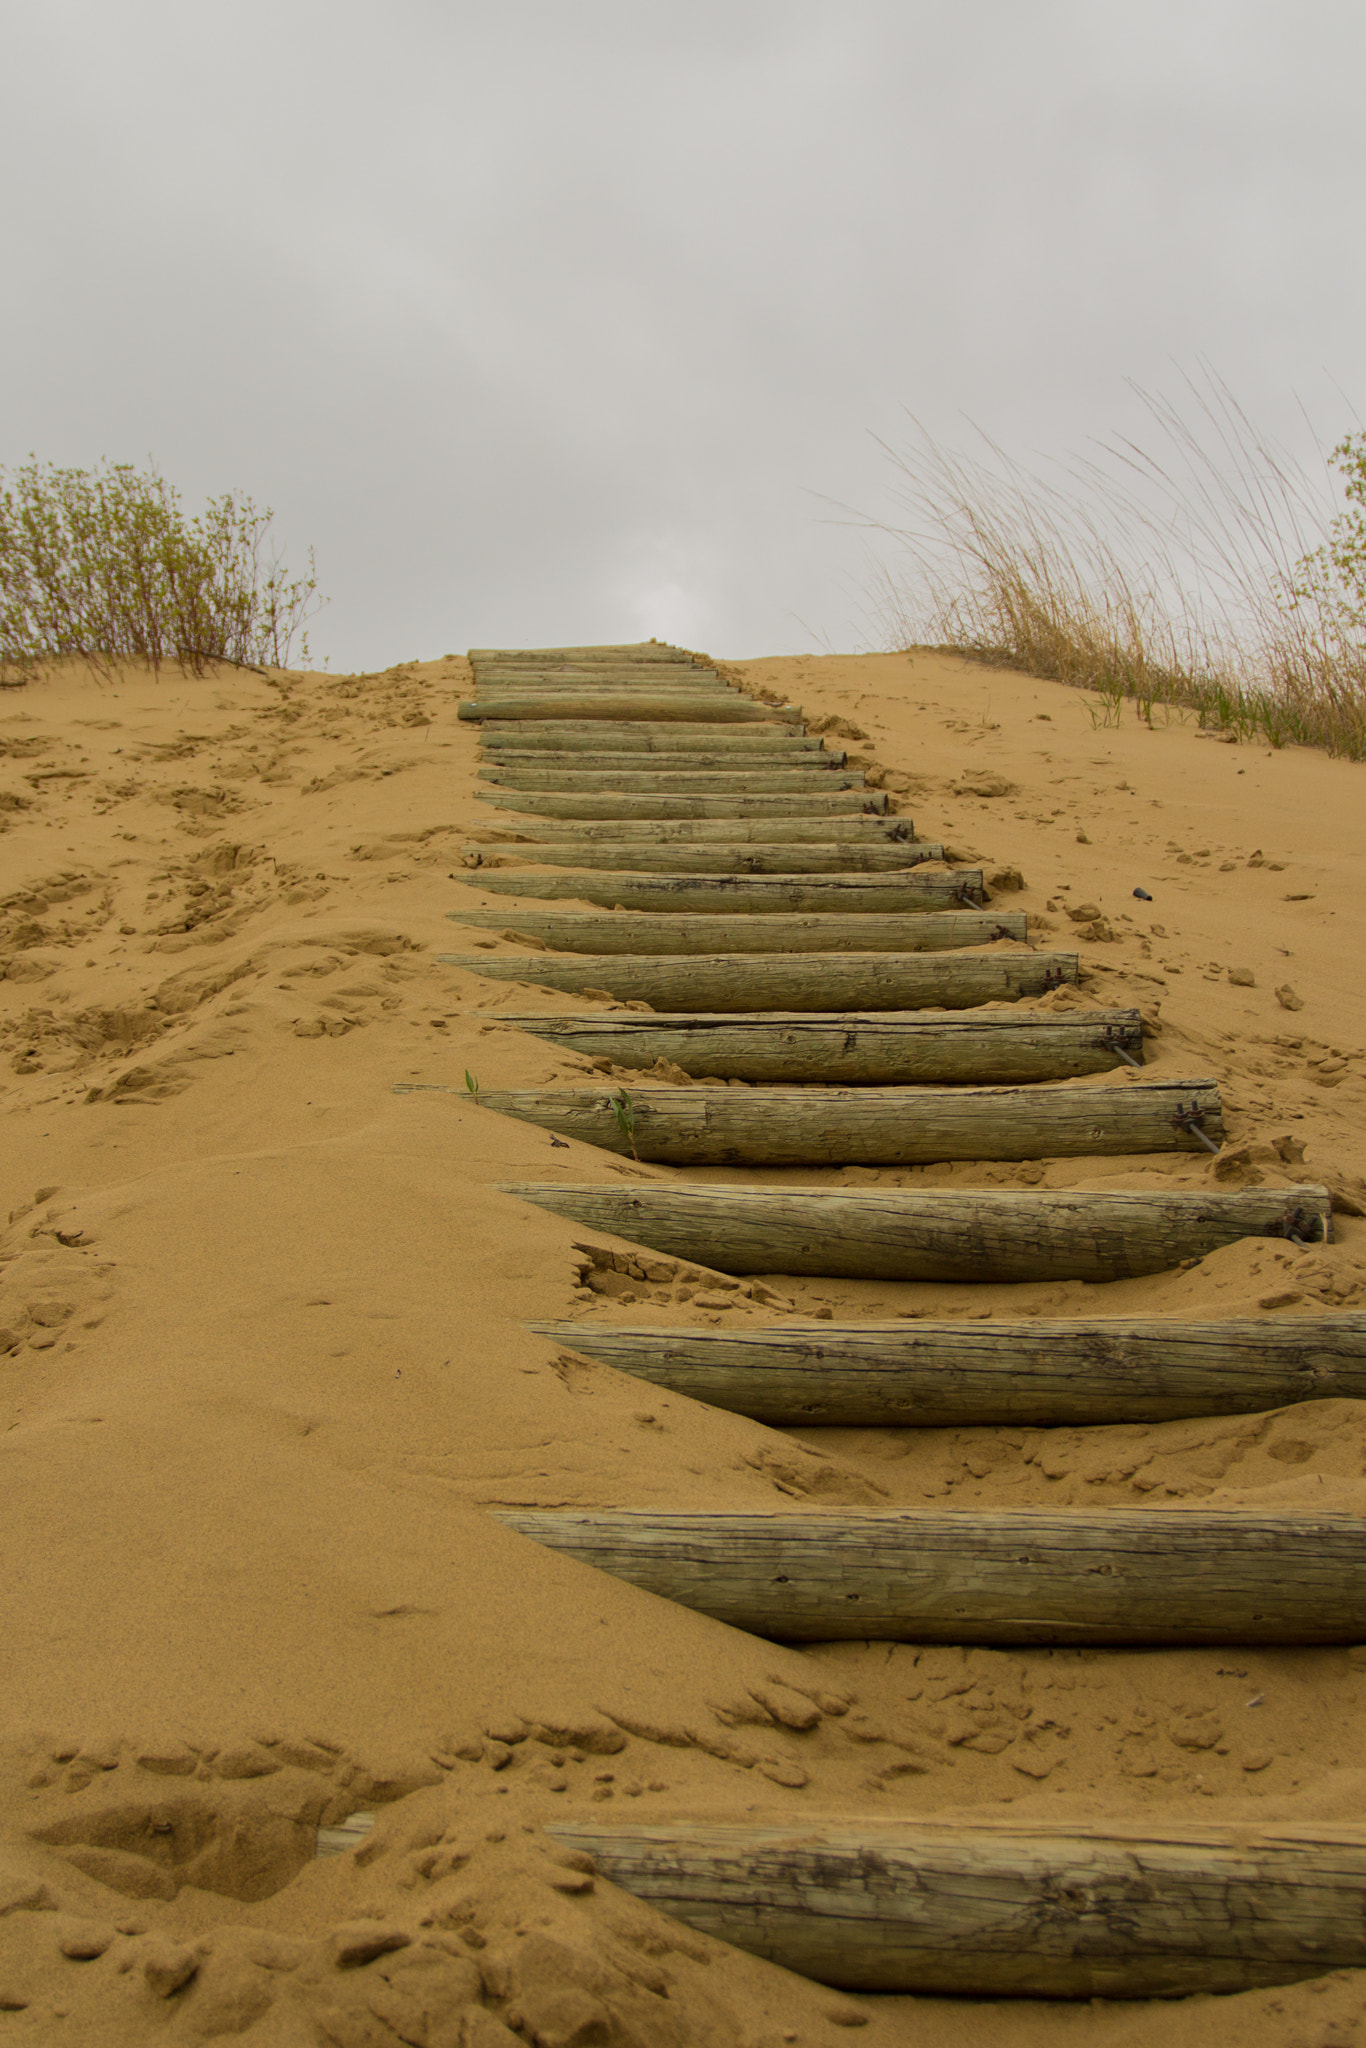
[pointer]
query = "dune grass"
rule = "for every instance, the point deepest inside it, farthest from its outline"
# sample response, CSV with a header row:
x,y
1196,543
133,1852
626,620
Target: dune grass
x,y
104,565
1211,576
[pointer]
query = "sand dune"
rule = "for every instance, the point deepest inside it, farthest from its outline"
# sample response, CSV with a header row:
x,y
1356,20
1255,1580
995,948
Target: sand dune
x,y
264,1371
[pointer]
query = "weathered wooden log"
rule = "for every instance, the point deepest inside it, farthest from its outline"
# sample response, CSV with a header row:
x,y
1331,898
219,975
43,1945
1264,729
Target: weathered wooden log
x,y
629,674
815,803
782,982
619,685
957,1575
621,681
638,673
701,831
689,706
346,1834
624,650
872,1126
617,660
658,761
673,781
880,1050
1025,1372
623,694
759,895
570,740
628,931
648,653
988,1910
587,736
745,857
957,1234
718,760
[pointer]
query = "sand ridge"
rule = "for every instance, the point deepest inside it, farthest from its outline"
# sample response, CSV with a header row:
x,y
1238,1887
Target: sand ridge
x,y
266,1372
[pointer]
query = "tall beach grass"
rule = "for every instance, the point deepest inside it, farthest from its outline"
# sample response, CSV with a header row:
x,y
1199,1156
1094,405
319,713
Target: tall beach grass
x,y
1205,571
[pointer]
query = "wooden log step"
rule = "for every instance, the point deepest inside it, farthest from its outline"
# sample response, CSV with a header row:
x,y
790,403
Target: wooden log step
x,y
657,761
872,1126
632,654
720,982
992,1910
672,781
555,660
596,666
625,931
627,650
623,683
586,736
1023,1373
690,831
820,802
957,1575
757,894
622,689
956,1234
878,1051
688,706
746,857
649,656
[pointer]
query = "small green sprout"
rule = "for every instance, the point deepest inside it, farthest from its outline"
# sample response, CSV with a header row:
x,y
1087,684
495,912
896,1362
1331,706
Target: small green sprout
x,y
471,1084
624,1110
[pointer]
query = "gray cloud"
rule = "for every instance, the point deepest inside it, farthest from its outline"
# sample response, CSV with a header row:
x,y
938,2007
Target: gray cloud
x,y
547,322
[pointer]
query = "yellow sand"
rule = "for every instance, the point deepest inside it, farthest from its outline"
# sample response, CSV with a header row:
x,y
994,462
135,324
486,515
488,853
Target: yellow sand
x,y
263,1370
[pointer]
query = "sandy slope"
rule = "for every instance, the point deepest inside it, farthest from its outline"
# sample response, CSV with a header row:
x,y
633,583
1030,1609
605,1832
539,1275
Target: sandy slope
x,y
262,1371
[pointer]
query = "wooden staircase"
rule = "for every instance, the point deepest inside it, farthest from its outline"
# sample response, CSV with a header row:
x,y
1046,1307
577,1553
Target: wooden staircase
x,y
774,924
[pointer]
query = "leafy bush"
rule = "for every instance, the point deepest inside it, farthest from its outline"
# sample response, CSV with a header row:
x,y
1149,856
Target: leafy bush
x,y
1332,579
105,566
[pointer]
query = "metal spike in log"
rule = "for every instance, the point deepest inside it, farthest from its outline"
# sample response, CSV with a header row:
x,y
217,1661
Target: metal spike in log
x,y
758,894
708,831
873,1126
986,1910
720,982
742,857
957,1575
1019,1373
850,803
961,1235
882,1050
688,706
645,932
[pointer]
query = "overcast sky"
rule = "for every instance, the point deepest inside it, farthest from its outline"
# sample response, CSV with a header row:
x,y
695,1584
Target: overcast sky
x,y
556,320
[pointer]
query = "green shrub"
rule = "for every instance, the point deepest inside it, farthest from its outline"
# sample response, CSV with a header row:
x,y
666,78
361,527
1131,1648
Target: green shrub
x,y
1332,579
105,566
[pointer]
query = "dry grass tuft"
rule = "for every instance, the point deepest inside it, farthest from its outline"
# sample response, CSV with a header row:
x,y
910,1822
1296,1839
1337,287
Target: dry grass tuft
x,y
1211,578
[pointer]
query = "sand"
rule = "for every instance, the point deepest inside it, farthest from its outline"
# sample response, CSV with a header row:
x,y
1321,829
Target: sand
x,y
263,1371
